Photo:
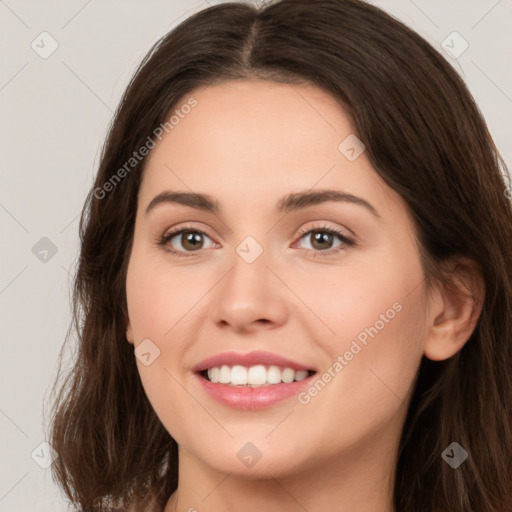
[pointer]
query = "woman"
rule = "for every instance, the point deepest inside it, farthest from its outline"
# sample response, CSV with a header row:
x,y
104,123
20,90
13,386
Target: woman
x,y
294,287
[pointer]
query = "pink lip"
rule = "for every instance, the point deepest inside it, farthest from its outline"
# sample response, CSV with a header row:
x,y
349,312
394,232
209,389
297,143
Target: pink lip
x,y
241,397
249,359
252,398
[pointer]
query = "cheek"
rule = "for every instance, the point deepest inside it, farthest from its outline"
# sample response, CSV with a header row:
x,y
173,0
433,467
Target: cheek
x,y
363,391
372,311
371,297
159,297
158,301
377,315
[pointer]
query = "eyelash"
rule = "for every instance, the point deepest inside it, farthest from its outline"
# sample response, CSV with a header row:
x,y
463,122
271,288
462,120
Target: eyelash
x,y
346,241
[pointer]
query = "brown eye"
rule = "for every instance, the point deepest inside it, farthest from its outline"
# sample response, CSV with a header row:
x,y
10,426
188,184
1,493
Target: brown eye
x,y
321,240
191,240
185,240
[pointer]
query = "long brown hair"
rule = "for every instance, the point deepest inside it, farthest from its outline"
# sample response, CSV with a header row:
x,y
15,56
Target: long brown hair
x,y
424,136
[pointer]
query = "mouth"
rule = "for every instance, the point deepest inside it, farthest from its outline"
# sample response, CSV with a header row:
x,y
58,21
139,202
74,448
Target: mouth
x,y
253,380
254,376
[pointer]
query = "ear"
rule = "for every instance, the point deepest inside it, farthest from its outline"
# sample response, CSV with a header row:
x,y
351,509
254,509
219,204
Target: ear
x,y
455,308
129,331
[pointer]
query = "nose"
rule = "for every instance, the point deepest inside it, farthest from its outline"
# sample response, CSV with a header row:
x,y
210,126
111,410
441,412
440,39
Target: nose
x,y
250,297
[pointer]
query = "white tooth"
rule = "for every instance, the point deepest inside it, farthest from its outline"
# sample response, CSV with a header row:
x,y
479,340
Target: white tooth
x,y
301,374
213,374
225,374
257,375
254,376
238,375
274,375
287,375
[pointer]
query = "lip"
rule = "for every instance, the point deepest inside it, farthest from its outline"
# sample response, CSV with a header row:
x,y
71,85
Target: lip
x,y
246,397
241,397
249,359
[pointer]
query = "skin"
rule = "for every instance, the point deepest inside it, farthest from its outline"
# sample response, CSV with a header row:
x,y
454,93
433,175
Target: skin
x,y
247,144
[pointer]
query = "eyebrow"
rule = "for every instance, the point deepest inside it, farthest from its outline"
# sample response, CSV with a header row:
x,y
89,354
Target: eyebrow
x,y
291,202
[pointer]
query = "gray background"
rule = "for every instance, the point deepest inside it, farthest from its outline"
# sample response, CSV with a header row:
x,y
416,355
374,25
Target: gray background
x,y
54,117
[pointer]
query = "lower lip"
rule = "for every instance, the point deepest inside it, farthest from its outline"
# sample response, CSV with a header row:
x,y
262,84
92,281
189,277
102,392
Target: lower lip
x,y
246,397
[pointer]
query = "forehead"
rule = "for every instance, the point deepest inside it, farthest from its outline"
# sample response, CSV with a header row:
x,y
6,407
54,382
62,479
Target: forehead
x,y
256,138
249,117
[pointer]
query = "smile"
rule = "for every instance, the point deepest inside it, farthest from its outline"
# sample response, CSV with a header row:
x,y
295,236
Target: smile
x,y
253,380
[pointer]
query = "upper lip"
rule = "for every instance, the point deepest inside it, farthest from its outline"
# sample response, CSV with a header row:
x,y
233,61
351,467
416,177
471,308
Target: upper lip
x,y
249,359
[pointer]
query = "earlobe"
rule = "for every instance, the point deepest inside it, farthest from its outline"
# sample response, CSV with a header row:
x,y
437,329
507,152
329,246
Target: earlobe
x,y
457,306
129,331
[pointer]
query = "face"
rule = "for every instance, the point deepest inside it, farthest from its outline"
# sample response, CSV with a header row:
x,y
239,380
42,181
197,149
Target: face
x,y
273,286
